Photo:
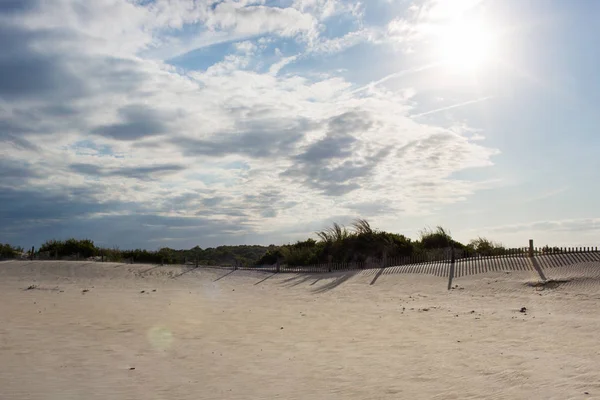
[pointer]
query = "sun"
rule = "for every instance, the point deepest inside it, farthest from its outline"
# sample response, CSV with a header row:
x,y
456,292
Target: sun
x,y
465,46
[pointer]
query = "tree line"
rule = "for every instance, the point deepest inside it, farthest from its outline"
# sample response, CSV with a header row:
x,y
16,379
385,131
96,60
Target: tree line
x,y
337,243
359,242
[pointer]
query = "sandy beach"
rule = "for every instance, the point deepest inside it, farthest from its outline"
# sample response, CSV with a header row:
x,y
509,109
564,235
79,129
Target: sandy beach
x,y
85,330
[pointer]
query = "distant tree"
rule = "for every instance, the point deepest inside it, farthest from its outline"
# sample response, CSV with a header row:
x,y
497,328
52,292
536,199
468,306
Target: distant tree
x,y
8,251
435,239
84,247
484,246
338,244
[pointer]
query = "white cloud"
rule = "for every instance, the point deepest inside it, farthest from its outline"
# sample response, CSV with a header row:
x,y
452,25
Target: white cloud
x,y
275,68
245,47
324,9
129,134
253,20
341,43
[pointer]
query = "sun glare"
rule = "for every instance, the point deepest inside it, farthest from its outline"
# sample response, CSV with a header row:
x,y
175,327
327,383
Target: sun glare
x,y
465,46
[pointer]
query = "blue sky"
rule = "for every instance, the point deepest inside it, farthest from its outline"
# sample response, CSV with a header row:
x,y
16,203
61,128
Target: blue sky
x,y
181,123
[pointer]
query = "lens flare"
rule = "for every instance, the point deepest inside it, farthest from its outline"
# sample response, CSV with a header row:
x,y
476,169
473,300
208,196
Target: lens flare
x,y
160,337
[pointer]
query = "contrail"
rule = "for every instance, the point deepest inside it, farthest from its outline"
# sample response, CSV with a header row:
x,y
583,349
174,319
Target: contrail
x,y
392,76
466,103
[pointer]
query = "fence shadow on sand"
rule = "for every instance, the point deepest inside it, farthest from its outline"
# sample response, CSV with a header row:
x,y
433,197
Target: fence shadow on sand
x,y
462,267
333,280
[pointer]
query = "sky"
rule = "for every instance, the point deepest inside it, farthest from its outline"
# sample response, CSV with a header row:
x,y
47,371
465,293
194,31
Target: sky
x,y
152,123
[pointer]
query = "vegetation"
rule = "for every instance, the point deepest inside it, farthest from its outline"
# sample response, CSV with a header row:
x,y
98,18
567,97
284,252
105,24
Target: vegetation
x,y
485,247
339,244
8,251
84,248
222,255
438,239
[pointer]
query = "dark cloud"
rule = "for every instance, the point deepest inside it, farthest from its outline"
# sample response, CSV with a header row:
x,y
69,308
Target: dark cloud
x,y
143,173
12,7
134,231
138,121
183,202
267,203
222,211
329,165
26,72
32,216
332,146
58,110
35,65
16,141
212,201
350,122
120,75
86,169
18,205
12,171
44,120
258,139
267,196
38,119
33,69
36,69
339,141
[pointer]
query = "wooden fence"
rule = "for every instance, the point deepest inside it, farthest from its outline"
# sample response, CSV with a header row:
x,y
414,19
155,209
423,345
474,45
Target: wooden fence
x,y
463,262
441,262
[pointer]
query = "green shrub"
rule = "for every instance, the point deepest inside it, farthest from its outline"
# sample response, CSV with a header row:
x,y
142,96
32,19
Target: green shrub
x,y
8,251
83,247
341,245
486,247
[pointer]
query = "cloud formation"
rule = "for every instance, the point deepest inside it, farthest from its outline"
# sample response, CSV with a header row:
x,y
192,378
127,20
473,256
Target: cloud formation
x,y
101,135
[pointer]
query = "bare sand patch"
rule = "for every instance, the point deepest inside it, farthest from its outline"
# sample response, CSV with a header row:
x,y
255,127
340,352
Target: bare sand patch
x,y
119,331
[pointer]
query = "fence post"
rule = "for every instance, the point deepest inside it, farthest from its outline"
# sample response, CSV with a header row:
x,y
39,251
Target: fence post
x,y
451,272
278,265
530,247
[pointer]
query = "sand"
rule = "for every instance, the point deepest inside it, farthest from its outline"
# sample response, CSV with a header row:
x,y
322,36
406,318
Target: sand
x,y
87,331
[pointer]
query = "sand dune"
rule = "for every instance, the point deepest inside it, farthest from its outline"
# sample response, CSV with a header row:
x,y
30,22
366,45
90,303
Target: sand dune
x,y
73,330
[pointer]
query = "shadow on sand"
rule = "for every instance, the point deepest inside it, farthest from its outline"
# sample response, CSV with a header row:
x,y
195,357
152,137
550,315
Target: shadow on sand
x,y
223,276
184,272
264,279
461,268
334,280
